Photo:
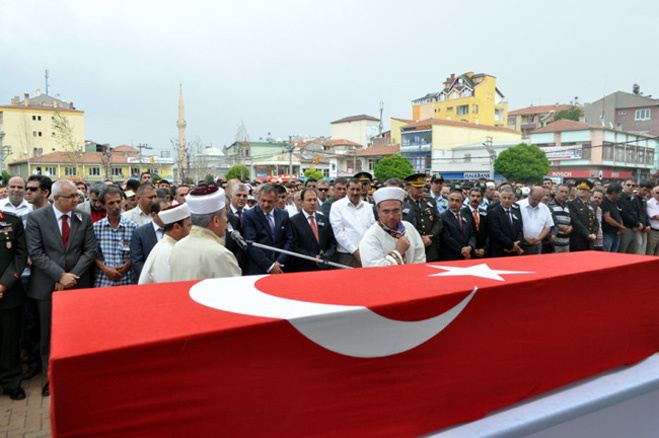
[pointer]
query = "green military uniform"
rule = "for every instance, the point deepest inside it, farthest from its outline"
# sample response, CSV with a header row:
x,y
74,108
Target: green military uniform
x,y
584,221
13,256
428,223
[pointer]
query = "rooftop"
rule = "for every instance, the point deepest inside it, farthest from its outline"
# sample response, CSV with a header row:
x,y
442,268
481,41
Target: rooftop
x,y
458,124
541,109
388,149
356,119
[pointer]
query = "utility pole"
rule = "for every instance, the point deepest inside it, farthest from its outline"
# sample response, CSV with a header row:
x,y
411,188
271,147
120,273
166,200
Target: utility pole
x,y
289,147
380,127
142,146
5,151
108,164
493,155
46,76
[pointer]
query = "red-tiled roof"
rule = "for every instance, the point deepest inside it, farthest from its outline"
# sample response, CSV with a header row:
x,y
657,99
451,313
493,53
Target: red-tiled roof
x,y
542,109
355,119
402,120
42,108
341,142
566,125
125,148
459,124
85,158
388,149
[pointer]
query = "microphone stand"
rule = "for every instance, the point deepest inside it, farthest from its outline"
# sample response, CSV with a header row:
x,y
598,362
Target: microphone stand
x,y
298,255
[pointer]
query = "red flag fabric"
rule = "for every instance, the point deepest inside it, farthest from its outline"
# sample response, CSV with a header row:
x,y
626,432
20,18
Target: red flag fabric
x,y
396,351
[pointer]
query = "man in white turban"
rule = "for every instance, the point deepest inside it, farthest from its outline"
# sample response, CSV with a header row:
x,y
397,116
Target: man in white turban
x,y
391,241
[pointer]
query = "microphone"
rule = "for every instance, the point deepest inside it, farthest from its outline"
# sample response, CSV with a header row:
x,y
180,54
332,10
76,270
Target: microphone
x,y
238,238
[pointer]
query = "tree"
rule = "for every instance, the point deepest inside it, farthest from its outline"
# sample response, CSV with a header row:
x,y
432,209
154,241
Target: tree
x,y
573,113
524,163
6,176
315,174
238,171
65,138
395,166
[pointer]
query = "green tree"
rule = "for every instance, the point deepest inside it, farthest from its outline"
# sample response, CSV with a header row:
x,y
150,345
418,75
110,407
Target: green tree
x,y
238,171
6,176
524,163
395,166
315,174
155,177
573,113
209,178
66,139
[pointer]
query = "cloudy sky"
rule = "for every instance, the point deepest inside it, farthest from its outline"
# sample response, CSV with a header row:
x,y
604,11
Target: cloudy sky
x,y
291,67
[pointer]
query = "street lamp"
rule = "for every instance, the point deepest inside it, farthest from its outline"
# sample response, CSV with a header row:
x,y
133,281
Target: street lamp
x,y
493,155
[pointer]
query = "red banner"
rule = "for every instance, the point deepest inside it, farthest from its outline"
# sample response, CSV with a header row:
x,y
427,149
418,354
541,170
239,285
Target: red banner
x,y
591,174
397,351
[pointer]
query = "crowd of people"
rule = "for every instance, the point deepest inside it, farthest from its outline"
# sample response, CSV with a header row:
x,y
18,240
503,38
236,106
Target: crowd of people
x,y
70,235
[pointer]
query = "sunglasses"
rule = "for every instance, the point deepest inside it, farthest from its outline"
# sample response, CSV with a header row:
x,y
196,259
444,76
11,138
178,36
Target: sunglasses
x,y
323,190
32,189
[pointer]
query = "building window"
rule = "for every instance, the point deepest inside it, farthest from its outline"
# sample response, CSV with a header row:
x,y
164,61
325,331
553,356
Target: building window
x,y
70,171
39,118
467,158
607,152
462,110
34,117
116,171
34,133
474,109
640,156
620,153
94,171
511,120
449,108
50,171
326,173
39,133
153,171
585,152
622,113
643,114
630,155
134,171
649,157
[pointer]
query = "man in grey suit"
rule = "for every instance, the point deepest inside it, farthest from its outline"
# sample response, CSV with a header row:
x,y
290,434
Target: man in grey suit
x,y
62,247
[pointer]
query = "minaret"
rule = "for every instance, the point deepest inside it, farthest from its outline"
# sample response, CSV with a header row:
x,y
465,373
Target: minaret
x,y
182,162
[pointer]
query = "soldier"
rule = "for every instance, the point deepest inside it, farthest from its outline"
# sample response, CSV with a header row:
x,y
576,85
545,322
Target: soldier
x,y
13,256
436,184
428,222
584,222
366,179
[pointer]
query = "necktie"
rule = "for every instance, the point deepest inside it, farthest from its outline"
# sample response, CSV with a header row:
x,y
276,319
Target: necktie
x,y
476,219
160,233
510,217
271,222
65,230
240,216
457,216
314,228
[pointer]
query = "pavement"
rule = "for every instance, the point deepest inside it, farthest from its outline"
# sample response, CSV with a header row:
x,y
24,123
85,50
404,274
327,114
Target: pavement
x,y
29,418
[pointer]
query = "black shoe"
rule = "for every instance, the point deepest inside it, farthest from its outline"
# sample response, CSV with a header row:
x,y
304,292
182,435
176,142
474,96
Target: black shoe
x,y
16,393
31,372
46,390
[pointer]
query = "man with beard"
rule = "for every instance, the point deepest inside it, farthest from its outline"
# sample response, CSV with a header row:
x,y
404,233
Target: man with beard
x,y
478,218
113,236
391,241
340,189
93,205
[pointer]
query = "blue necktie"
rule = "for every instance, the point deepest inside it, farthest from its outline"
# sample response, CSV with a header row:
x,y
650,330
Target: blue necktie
x,y
271,222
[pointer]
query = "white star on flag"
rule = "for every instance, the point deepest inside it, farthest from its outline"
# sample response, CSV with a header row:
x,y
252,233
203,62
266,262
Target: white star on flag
x,y
481,270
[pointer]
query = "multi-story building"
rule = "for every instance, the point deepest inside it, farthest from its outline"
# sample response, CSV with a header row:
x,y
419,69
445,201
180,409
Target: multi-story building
x,y
629,112
360,160
357,129
469,97
526,120
118,164
580,150
28,127
427,142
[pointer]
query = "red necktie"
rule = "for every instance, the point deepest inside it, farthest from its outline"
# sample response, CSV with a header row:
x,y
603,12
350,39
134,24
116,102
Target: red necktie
x,y
65,230
476,219
459,220
314,228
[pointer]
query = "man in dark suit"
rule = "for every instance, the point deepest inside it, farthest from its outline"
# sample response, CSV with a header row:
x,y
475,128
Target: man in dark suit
x,y
230,243
505,226
62,247
146,236
270,226
458,239
478,218
312,234
13,257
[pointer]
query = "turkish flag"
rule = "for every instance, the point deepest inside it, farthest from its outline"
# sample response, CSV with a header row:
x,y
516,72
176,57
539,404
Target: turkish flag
x,y
398,351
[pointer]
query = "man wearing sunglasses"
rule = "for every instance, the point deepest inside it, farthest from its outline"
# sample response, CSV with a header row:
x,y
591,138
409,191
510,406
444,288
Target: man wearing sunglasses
x,y
322,187
38,191
630,218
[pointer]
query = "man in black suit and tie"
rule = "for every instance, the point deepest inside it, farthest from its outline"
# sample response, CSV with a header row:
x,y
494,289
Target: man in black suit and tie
x,y
478,217
62,247
312,234
146,236
505,226
270,226
457,239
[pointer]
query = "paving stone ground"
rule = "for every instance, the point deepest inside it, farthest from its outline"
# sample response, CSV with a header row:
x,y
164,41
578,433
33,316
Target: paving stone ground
x,y
29,418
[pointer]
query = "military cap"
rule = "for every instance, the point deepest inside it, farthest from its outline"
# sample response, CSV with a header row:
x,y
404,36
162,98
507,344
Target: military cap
x,y
417,180
456,186
436,177
518,192
584,184
364,177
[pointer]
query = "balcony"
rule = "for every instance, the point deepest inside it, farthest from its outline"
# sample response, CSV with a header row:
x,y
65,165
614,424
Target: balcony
x,y
416,148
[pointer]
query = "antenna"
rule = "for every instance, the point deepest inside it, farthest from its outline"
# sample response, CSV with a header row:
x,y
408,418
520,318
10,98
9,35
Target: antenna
x,y
46,76
380,127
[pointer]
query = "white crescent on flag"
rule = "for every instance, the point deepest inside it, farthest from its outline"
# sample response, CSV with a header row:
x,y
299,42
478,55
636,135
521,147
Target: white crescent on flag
x,y
353,331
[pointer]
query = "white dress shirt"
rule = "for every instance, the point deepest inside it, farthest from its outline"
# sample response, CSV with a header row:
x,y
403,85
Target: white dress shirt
x,y
23,208
653,210
350,223
534,219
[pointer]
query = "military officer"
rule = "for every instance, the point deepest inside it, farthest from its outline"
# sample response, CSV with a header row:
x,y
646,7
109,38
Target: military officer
x,y
584,221
366,179
13,257
428,222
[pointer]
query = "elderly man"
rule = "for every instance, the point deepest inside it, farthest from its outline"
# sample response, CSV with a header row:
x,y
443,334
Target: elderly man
x,y
537,220
113,236
458,239
16,202
505,226
201,254
312,234
350,217
391,241
146,196
176,220
239,193
270,226
62,247
584,220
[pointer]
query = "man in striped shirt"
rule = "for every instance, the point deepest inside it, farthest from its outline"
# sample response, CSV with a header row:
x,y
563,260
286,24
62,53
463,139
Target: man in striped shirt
x,y
562,220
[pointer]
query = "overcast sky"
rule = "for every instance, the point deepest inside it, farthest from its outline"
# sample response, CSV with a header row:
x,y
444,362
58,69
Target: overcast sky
x,y
292,67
